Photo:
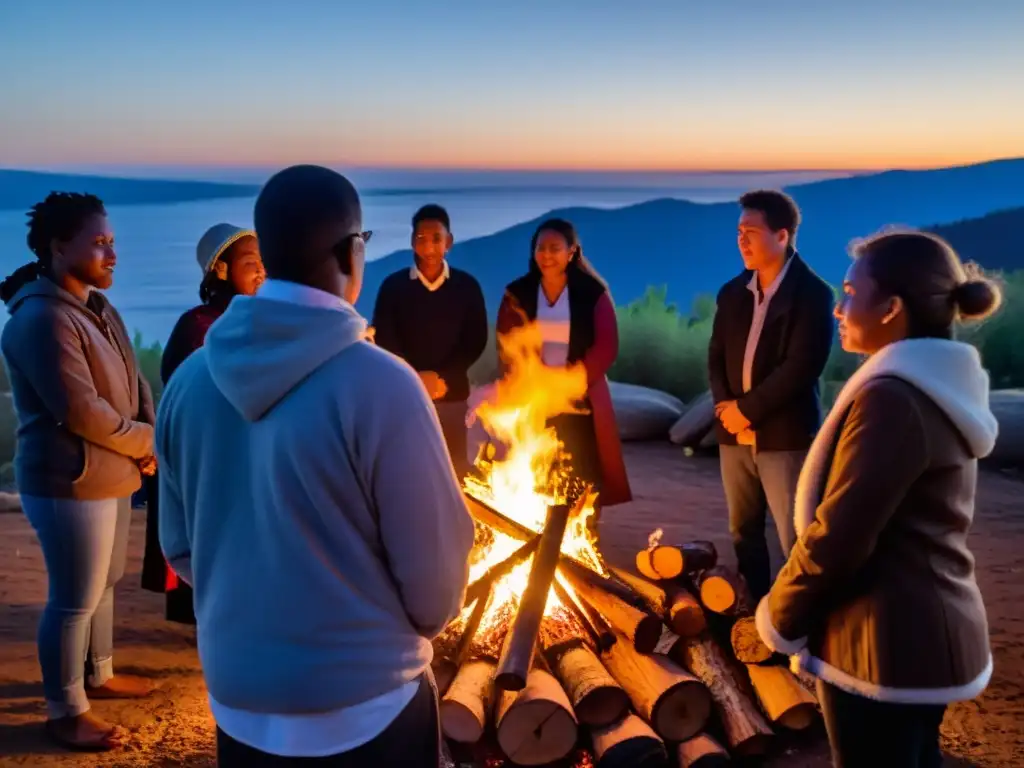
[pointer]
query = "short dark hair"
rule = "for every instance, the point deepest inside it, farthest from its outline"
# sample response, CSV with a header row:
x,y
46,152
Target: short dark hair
x,y
59,217
292,206
779,209
936,288
431,212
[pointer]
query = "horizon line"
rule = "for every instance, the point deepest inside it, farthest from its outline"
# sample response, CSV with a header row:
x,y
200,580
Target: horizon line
x,y
526,169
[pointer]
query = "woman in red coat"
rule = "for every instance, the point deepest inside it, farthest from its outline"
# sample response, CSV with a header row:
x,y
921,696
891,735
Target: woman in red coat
x,y
229,258
571,304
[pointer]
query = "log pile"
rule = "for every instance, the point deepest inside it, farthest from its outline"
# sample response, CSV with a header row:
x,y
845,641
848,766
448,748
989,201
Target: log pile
x,y
636,668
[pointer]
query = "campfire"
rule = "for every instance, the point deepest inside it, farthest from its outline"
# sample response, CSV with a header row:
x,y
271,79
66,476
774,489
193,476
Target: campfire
x,y
558,656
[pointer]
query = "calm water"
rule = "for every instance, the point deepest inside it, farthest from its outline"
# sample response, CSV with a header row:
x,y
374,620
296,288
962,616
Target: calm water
x,y
157,275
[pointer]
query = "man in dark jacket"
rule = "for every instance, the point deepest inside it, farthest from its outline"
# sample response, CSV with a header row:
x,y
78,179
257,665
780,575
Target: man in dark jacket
x,y
772,335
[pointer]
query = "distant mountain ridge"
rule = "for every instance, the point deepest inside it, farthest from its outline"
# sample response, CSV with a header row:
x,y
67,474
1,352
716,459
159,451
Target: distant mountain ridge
x,y
993,241
691,247
20,190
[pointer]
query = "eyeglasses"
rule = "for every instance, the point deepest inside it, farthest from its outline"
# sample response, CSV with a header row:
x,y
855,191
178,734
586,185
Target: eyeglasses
x,y
341,251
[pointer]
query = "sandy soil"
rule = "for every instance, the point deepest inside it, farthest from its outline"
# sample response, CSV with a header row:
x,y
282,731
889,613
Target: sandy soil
x,y
683,496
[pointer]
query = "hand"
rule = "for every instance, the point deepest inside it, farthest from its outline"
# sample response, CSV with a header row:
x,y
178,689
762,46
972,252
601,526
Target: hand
x,y
370,335
731,417
147,466
746,437
434,384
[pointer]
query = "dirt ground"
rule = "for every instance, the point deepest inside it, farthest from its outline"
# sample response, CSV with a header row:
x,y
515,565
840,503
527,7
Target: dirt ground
x,y
682,496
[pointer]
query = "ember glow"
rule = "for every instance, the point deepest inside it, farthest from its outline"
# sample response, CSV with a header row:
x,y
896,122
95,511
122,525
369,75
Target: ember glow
x,y
531,471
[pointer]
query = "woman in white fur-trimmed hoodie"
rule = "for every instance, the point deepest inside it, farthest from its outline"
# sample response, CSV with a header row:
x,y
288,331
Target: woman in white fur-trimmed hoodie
x,y
878,598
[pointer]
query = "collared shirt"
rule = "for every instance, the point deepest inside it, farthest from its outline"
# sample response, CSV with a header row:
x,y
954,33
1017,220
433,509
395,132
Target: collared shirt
x,y
415,274
761,302
323,733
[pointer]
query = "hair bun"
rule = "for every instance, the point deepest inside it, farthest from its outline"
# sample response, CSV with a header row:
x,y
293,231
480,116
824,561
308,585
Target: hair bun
x,y
977,298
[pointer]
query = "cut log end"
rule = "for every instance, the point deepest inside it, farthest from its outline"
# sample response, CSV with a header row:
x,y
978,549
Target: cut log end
x,y
628,743
644,566
701,752
783,698
595,695
464,708
747,645
682,710
536,726
667,562
724,591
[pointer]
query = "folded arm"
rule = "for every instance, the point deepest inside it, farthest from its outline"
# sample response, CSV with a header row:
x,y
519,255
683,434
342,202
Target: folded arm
x,y
805,358
425,525
57,367
881,452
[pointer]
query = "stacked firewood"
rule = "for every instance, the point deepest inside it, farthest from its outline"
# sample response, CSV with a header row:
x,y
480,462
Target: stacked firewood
x,y
655,666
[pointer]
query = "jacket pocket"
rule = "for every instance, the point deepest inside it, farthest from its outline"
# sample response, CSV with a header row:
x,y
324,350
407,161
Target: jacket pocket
x,y
106,474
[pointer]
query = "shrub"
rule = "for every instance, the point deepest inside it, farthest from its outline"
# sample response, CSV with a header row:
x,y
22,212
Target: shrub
x,y
149,363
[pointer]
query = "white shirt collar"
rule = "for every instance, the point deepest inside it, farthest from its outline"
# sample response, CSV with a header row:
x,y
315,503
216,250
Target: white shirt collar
x,y
303,295
415,274
771,289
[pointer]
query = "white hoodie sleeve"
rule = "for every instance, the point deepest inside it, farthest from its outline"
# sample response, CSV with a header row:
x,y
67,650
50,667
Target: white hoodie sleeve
x,y
425,525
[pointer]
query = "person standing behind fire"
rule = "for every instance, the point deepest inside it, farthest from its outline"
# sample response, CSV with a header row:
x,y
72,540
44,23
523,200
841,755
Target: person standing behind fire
x,y
85,416
307,496
770,340
564,294
878,599
229,258
433,316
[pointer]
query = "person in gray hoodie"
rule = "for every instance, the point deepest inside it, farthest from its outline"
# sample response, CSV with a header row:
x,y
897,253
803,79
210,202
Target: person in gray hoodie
x,y
85,416
308,497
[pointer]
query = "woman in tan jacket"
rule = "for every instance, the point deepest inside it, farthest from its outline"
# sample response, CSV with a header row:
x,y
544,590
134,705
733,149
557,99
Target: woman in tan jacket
x,y
878,598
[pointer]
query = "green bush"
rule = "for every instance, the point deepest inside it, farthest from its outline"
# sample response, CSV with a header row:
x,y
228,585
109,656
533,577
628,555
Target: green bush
x,y
149,363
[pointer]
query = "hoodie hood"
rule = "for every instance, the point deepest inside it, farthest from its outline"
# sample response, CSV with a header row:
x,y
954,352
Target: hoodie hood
x,y
41,288
260,349
951,375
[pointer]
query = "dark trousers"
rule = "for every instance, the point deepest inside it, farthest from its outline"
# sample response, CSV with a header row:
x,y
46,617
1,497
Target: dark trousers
x,y
755,482
413,740
453,425
865,733
178,602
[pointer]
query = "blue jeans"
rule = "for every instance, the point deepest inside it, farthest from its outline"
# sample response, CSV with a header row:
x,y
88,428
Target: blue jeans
x,y
84,544
755,482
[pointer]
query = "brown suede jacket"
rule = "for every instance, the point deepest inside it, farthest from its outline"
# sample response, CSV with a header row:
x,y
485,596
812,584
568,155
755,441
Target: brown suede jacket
x,y
879,596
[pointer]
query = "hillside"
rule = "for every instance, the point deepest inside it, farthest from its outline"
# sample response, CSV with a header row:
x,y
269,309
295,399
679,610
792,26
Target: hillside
x,y
691,247
19,190
994,241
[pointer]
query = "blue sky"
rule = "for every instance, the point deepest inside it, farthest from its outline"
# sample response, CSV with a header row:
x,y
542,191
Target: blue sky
x,y
716,84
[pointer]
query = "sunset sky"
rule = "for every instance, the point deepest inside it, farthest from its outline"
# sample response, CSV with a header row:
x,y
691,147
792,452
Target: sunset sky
x,y
603,84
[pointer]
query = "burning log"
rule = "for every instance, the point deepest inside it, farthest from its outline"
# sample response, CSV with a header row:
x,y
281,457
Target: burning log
x,y
680,609
701,752
783,698
596,625
536,725
746,643
672,700
446,645
596,697
517,655
628,743
662,562
745,728
469,697
641,627
724,591
482,586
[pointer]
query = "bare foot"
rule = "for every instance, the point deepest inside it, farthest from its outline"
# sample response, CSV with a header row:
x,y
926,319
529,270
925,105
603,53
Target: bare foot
x,y
122,687
86,732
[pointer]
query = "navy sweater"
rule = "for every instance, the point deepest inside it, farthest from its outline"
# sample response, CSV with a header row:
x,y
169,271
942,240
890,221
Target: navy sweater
x,y
444,331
